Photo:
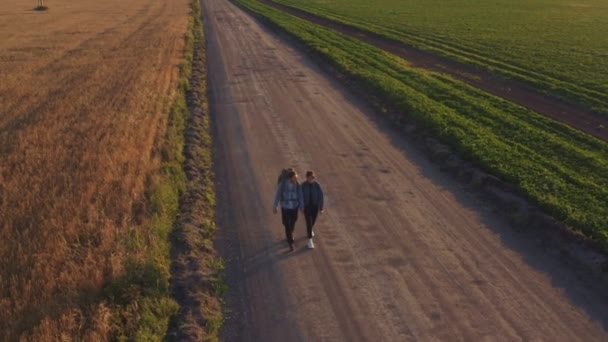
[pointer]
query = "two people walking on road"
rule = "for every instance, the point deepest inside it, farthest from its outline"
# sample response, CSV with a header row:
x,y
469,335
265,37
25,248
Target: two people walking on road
x,y
292,197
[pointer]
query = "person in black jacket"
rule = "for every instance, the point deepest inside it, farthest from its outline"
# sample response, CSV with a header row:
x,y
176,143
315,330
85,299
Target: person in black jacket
x,y
313,203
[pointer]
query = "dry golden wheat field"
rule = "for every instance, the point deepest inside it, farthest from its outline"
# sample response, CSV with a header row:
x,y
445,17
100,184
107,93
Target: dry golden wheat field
x,y
85,91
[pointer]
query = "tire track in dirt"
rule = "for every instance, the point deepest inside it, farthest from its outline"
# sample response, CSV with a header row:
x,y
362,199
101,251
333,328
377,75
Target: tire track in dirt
x,y
402,253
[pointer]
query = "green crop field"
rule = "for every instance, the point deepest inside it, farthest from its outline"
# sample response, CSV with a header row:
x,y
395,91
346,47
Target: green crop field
x,y
562,170
560,46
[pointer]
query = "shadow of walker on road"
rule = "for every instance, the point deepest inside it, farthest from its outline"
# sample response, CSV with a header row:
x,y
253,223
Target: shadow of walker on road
x,y
265,258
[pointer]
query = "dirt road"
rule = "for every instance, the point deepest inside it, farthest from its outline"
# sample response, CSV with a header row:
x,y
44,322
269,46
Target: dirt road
x,y
402,253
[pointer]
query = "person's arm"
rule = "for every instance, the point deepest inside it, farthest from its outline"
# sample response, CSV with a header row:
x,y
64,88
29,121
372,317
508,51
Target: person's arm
x,y
321,197
277,198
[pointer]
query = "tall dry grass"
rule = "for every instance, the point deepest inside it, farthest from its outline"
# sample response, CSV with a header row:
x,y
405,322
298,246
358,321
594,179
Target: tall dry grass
x,y
84,94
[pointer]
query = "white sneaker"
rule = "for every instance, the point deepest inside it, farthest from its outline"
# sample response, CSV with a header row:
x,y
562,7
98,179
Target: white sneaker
x,y
312,233
311,244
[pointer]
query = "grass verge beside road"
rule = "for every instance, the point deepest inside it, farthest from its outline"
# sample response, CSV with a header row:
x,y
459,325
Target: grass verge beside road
x,y
197,271
146,298
561,170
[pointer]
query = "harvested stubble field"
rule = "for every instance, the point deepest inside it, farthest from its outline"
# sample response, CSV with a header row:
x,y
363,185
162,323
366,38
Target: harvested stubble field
x,y
85,92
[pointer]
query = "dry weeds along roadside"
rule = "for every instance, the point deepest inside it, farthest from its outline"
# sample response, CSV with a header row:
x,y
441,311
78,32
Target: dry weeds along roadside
x,y
186,306
197,280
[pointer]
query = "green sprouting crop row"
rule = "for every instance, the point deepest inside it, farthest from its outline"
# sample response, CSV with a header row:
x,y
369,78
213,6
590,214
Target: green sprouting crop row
x,y
562,170
557,46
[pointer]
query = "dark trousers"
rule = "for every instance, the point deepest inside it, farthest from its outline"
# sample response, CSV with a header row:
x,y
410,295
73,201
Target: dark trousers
x,y
310,214
289,216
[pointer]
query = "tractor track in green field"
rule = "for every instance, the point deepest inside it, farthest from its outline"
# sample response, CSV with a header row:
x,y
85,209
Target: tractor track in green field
x,y
518,92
